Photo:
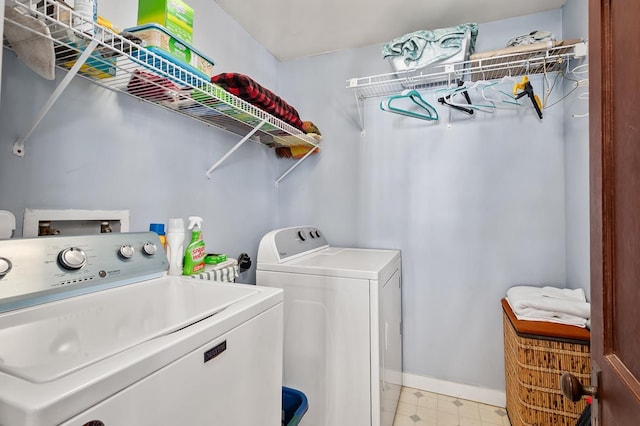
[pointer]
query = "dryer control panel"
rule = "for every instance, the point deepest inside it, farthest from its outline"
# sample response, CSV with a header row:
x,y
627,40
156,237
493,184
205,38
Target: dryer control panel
x,y
284,244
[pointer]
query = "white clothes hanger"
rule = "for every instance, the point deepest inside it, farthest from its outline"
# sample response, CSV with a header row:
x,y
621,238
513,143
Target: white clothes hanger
x,y
461,97
496,92
455,99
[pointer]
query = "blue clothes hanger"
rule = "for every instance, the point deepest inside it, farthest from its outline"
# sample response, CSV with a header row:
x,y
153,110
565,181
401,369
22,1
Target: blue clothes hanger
x,y
428,113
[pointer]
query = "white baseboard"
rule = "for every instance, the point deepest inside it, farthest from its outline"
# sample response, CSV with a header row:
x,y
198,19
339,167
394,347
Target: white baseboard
x,y
471,393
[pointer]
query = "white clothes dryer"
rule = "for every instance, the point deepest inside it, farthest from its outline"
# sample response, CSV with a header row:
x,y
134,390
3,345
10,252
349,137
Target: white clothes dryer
x,y
342,321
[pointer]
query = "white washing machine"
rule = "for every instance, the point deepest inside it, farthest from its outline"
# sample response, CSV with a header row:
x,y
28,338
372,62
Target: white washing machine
x,y
342,320
93,333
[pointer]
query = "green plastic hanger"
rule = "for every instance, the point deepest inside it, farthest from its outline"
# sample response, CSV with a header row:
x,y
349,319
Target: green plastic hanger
x,y
431,114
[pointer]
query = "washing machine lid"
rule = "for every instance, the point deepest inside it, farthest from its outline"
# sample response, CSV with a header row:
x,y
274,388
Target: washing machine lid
x,y
340,262
46,342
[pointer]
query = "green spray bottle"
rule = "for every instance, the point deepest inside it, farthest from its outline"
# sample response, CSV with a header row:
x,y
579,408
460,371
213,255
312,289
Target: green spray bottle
x,y
194,254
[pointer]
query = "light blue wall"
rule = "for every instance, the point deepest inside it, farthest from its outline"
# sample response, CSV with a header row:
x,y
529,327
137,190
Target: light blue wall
x,y
576,139
100,150
475,208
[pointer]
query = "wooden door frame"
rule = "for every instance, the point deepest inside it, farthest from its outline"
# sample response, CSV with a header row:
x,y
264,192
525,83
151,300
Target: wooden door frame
x,y
609,373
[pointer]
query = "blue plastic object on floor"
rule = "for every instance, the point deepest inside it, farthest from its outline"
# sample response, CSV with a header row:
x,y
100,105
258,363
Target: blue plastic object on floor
x,y
294,405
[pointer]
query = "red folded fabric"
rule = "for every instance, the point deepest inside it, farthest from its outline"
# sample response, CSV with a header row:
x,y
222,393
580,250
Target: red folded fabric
x,y
150,86
249,90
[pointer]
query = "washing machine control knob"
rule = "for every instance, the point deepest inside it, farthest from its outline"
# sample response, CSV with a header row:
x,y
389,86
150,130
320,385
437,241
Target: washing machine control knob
x,y
149,249
301,235
5,266
126,251
72,258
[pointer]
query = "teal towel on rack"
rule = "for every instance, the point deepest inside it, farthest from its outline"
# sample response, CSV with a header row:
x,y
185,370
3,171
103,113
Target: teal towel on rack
x,y
430,46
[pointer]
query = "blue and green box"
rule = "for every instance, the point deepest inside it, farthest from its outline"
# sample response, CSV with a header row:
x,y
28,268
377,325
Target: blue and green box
x,y
175,15
159,40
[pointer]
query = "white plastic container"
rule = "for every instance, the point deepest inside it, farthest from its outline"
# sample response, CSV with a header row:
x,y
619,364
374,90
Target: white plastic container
x,y
88,9
7,224
175,245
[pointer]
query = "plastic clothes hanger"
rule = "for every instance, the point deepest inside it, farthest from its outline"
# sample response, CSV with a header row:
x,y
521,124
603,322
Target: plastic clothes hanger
x,y
454,101
428,113
446,100
501,98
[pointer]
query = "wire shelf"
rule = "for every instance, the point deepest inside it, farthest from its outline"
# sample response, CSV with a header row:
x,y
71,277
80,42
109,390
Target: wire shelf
x,y
120,64
537,61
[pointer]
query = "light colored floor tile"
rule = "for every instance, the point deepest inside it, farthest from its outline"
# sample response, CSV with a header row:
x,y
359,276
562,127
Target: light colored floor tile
x,y
427,422
492,415
465,421
406,408
447,419
430,402
409,395
429,394
470,403
402,420
446,398
505,421
421,408
414,420
469,410
448,405
427,413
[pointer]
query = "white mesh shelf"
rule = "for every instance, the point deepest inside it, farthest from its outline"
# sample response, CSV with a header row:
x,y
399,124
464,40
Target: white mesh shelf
x,y
120,64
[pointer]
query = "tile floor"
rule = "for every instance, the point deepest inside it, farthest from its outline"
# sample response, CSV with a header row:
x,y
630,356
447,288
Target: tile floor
x,y
420,408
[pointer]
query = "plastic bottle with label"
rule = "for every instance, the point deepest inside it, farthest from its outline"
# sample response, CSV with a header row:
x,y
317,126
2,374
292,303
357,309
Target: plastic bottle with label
x,y
158,228
175,245
195,252
88,10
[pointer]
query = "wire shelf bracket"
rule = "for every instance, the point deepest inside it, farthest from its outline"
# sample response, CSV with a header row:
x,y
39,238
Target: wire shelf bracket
x,y
18,146
235,147
359,104
297,163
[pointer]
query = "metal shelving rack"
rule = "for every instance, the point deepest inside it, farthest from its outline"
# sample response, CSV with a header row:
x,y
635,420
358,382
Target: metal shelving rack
x,y
161,82
546,60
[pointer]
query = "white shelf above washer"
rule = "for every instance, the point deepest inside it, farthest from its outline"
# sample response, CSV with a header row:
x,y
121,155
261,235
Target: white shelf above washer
x,y
111,61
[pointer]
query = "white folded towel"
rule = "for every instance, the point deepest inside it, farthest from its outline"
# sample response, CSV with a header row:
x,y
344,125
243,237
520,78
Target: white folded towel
x,y
532,314
36,52
564,306
564,293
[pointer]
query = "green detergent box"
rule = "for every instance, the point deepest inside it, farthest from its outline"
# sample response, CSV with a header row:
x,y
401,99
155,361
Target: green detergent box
x,y
175,15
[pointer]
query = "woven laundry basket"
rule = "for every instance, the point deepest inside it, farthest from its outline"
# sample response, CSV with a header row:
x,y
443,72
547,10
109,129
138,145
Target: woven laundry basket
x,y
535,356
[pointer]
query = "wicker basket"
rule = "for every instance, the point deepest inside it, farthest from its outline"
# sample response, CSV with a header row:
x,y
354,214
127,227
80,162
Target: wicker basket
x,y
534,363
